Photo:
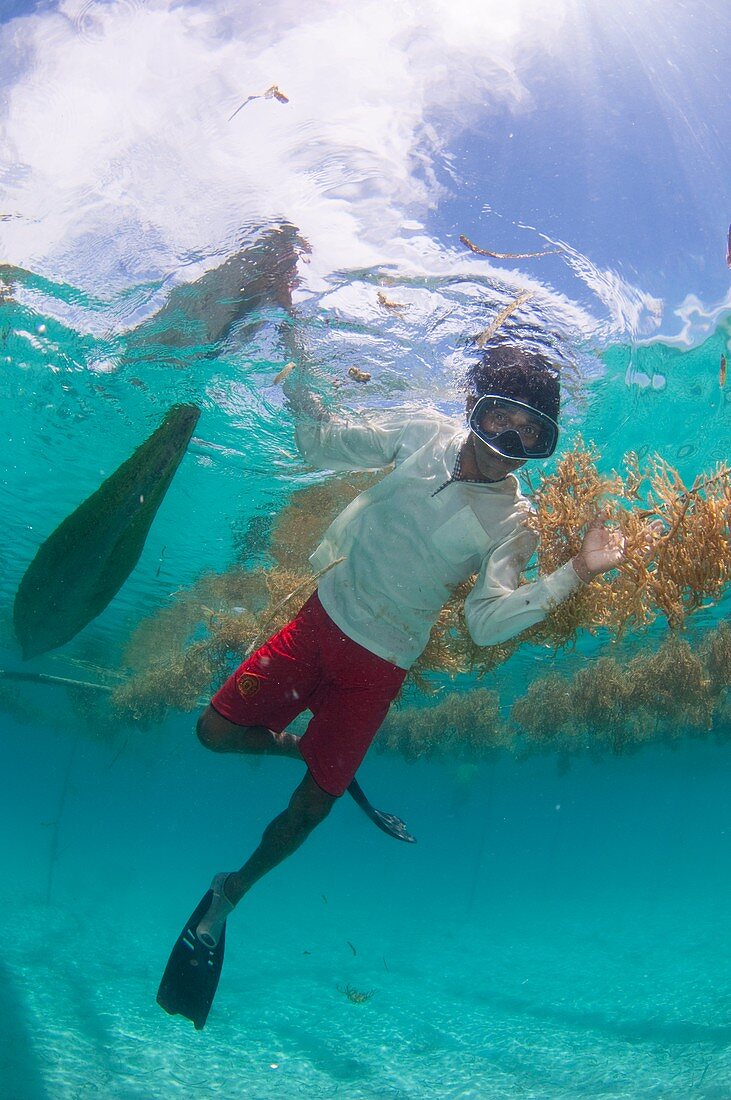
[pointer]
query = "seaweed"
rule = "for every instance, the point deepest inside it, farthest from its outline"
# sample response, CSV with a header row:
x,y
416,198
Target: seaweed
x,y
690,566
464,725
356,996
715,653
623,704
673,685
545,710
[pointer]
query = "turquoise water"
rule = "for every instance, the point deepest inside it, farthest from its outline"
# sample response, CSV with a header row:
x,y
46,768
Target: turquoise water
x,y
561,929
549,936
554,933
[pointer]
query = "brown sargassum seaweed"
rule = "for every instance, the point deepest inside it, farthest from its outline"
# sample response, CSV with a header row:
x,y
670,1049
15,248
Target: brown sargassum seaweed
x,y
609,705
185,650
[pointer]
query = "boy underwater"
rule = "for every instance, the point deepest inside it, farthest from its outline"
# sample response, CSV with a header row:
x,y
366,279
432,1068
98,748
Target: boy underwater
x,y
449,509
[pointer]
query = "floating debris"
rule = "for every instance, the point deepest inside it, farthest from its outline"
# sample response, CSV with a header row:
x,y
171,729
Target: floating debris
x,y
505,255
271,93
274,93
728,247
387,303
722,372
284,373
352,948
82,565
356,996
359,375
482,338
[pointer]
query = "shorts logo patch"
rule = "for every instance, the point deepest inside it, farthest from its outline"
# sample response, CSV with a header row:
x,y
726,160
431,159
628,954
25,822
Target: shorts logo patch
x,y
248,686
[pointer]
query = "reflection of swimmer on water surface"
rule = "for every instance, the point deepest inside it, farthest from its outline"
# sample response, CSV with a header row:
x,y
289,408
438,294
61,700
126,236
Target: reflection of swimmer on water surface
x,y
239,294
258,277
449,509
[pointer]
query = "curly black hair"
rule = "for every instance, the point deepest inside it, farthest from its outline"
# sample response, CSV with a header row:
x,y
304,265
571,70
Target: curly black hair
x,y
517,372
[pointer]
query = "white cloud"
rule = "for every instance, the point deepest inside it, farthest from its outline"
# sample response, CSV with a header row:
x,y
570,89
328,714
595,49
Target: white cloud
x,y
122,164
117,127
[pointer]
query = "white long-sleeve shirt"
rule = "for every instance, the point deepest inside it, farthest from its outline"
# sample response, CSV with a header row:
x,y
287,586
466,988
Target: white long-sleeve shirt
x,y
407,543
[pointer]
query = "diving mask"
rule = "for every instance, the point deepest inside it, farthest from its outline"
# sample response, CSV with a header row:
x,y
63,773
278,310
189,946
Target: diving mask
x,y
512,428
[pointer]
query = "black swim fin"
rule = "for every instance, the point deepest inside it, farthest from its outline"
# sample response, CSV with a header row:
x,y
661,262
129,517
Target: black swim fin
x,y
191,976
389,823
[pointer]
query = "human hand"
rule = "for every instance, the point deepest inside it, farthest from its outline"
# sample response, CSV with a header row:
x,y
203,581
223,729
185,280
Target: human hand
x,y
604,548
302,400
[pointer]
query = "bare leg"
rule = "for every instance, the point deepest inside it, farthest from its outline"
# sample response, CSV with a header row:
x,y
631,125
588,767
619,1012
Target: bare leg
x,y
217,733
308,806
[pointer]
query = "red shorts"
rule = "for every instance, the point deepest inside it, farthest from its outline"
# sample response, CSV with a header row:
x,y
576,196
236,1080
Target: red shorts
x,y
311,665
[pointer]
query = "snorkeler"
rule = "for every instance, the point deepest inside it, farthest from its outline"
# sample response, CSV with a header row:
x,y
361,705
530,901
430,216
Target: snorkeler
x,y
448,510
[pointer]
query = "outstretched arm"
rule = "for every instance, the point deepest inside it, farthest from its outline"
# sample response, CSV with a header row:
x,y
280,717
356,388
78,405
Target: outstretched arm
x,y
351,441
302,401
499,607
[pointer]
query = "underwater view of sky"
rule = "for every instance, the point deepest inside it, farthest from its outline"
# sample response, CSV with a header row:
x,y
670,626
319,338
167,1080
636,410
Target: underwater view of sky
x,y
561,928
602,126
